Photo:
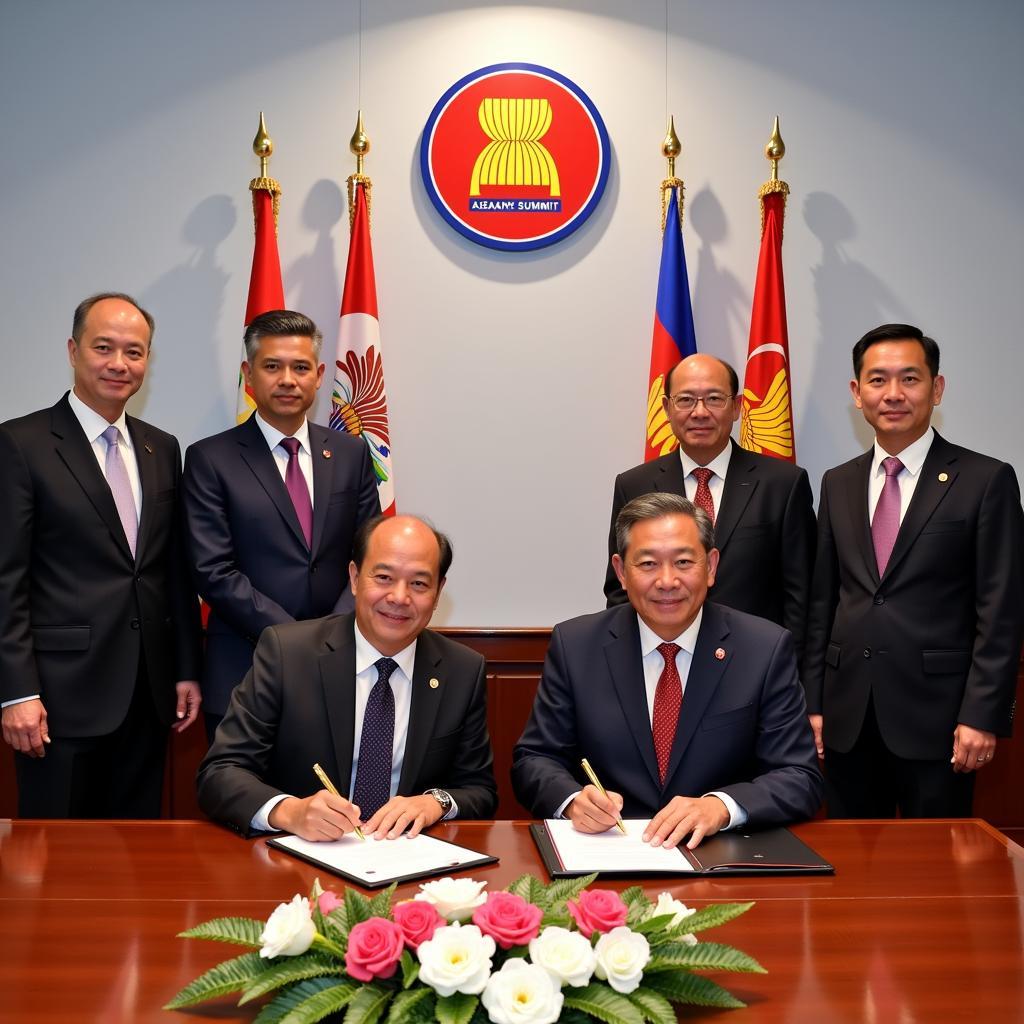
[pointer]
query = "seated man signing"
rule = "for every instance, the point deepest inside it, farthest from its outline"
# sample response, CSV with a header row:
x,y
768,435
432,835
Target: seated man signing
x,y
690,713
394,713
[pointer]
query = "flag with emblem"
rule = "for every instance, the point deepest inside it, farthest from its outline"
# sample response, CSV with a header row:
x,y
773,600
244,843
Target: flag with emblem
x,y
766,412
674,337
359,402
266,290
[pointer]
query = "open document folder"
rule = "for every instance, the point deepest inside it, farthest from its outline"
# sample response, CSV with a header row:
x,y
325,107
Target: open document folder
x,y
567,852
373,863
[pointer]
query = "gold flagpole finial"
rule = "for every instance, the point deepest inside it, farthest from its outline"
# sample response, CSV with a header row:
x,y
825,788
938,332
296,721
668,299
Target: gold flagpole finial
x,y
262,146
775,150
671,147
359,144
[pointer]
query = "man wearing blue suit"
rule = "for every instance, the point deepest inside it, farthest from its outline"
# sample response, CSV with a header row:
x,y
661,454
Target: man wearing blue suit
x,y
272,506
690,713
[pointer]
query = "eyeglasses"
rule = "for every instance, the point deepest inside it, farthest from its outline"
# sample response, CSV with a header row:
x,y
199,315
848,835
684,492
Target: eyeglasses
x,y
714,402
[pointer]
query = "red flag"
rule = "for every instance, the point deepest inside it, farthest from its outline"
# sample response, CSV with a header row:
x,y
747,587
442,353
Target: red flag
x,y
766,413
266,291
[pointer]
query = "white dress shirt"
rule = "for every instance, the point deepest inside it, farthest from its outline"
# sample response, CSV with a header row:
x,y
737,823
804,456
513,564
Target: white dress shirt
x,y
719,466
274,437
912,457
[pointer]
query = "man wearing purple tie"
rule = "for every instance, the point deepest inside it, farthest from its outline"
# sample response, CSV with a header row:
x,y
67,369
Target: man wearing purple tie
x,y
272,506
99,625
917,605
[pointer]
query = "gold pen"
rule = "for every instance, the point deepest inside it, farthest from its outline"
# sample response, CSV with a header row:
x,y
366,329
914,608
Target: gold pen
x,y
597,782
331,788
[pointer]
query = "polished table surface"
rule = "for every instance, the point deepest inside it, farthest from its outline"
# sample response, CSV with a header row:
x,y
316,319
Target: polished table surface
x,y
922,921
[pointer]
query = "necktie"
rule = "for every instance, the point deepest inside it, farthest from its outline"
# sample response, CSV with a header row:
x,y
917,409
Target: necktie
x,y
121,486
373,774
886,522
668,696
702,499
295,483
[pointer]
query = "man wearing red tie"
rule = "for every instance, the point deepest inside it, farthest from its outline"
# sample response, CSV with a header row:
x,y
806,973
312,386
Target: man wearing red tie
x,y
690,713
917,606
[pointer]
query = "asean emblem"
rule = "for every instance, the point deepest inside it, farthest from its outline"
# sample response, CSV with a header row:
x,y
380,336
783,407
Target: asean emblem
x,y
766,421
514,156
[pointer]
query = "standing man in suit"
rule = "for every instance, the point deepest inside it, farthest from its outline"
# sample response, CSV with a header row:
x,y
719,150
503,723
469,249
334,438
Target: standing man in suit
x,y
761,508
272,506
99,626
917,608
737,751
395,714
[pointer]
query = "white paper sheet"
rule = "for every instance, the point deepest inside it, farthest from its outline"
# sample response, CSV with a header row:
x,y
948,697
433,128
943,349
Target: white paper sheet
x,y
377,861
613,851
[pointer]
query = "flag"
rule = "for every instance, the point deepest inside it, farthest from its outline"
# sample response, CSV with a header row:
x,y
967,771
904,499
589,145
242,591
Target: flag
x,y
359,402
766,413
674,338
266,291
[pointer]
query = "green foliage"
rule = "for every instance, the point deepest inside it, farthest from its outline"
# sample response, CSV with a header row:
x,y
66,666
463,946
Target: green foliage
x,y
229,976
368,1004
380,905
563,889
307,1001
410,969
241,931
655,1008
357,908
457,1008
637,904
530,889
412,1007
285,969
653,924
604,1003
705,956
681,987
712,916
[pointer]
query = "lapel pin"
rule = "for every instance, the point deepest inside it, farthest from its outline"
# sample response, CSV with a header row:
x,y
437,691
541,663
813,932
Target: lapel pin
x,y
720,653
943,477
148,448
434,684
326,453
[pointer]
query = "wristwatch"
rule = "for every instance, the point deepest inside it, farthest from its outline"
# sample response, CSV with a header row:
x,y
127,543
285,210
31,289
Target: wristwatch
x,y
443,798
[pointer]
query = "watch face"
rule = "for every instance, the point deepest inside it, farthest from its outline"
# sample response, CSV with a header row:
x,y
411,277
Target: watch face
x,y
443,799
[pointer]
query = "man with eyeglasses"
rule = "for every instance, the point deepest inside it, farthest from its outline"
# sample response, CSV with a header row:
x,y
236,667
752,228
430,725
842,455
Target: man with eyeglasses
x,y
761,507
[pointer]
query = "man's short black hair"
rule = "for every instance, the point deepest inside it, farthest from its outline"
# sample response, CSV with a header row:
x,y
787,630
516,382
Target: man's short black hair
x,y
734,381
897,332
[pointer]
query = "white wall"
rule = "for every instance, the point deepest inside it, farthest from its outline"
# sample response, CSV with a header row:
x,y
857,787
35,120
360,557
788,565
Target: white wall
x,y
517,382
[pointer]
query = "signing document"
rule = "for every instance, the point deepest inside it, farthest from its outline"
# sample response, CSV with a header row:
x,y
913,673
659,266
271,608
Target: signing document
x,y
613,850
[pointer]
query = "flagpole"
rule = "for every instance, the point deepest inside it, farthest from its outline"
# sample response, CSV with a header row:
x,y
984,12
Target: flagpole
x,y
671,147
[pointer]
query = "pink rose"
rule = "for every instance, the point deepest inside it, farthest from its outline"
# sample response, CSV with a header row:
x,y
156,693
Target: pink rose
x,y
374,949
329,901
598,910
508,919
418,920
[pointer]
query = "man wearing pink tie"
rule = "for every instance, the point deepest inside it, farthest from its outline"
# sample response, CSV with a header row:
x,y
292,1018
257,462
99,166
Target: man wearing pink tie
x,y
917,605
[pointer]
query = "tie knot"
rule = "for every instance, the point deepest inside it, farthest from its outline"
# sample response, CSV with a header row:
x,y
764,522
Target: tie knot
x,y
891,465
702,474
111,435
385,667
291,446
669,652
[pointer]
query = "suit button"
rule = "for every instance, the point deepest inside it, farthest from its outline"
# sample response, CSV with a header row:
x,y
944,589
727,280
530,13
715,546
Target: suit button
x,y
135,623
867,652
879,599
138,579
312,568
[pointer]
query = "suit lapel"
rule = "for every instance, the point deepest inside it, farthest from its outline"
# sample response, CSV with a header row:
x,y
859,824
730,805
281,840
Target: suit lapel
x,y
667,474
338,682
144,459
426,701
320,443
928,493
74,450
256,455
706,672
740,483
625,666
854,496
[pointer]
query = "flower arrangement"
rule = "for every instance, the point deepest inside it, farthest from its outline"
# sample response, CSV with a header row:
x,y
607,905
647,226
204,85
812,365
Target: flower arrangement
x,y
532,954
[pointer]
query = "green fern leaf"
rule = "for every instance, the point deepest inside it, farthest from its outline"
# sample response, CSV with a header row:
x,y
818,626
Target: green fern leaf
x,y
229,976
563,889
711,917
241,931
655,1008
603,1003
367,1006
380,905
410,969
457,1008
287,969
357,907
530,889
691,989
705,956
412,1006
307,1001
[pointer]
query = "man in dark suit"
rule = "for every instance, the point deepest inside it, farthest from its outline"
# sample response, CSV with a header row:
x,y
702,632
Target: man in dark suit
x,y
99,627
917,608
738,751
394,713
762,508
272,506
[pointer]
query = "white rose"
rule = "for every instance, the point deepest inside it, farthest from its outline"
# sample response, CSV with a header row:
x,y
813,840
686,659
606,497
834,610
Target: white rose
x,y
289,930
522,993
456,959
679,910
455,898
565,955
622,956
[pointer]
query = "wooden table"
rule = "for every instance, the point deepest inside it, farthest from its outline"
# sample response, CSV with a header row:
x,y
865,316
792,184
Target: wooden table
x,y
922,921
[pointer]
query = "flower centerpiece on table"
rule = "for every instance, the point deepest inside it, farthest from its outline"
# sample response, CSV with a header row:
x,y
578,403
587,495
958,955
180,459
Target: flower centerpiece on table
x,y
532,954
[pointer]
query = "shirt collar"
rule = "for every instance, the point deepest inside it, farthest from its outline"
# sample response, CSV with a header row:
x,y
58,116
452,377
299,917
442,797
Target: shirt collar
x,y
367,655
719,465
912,456
93,423
274,436
687,640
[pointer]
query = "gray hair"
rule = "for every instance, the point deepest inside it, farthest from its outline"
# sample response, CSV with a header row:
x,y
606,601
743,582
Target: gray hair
x,y
280,323
656,506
